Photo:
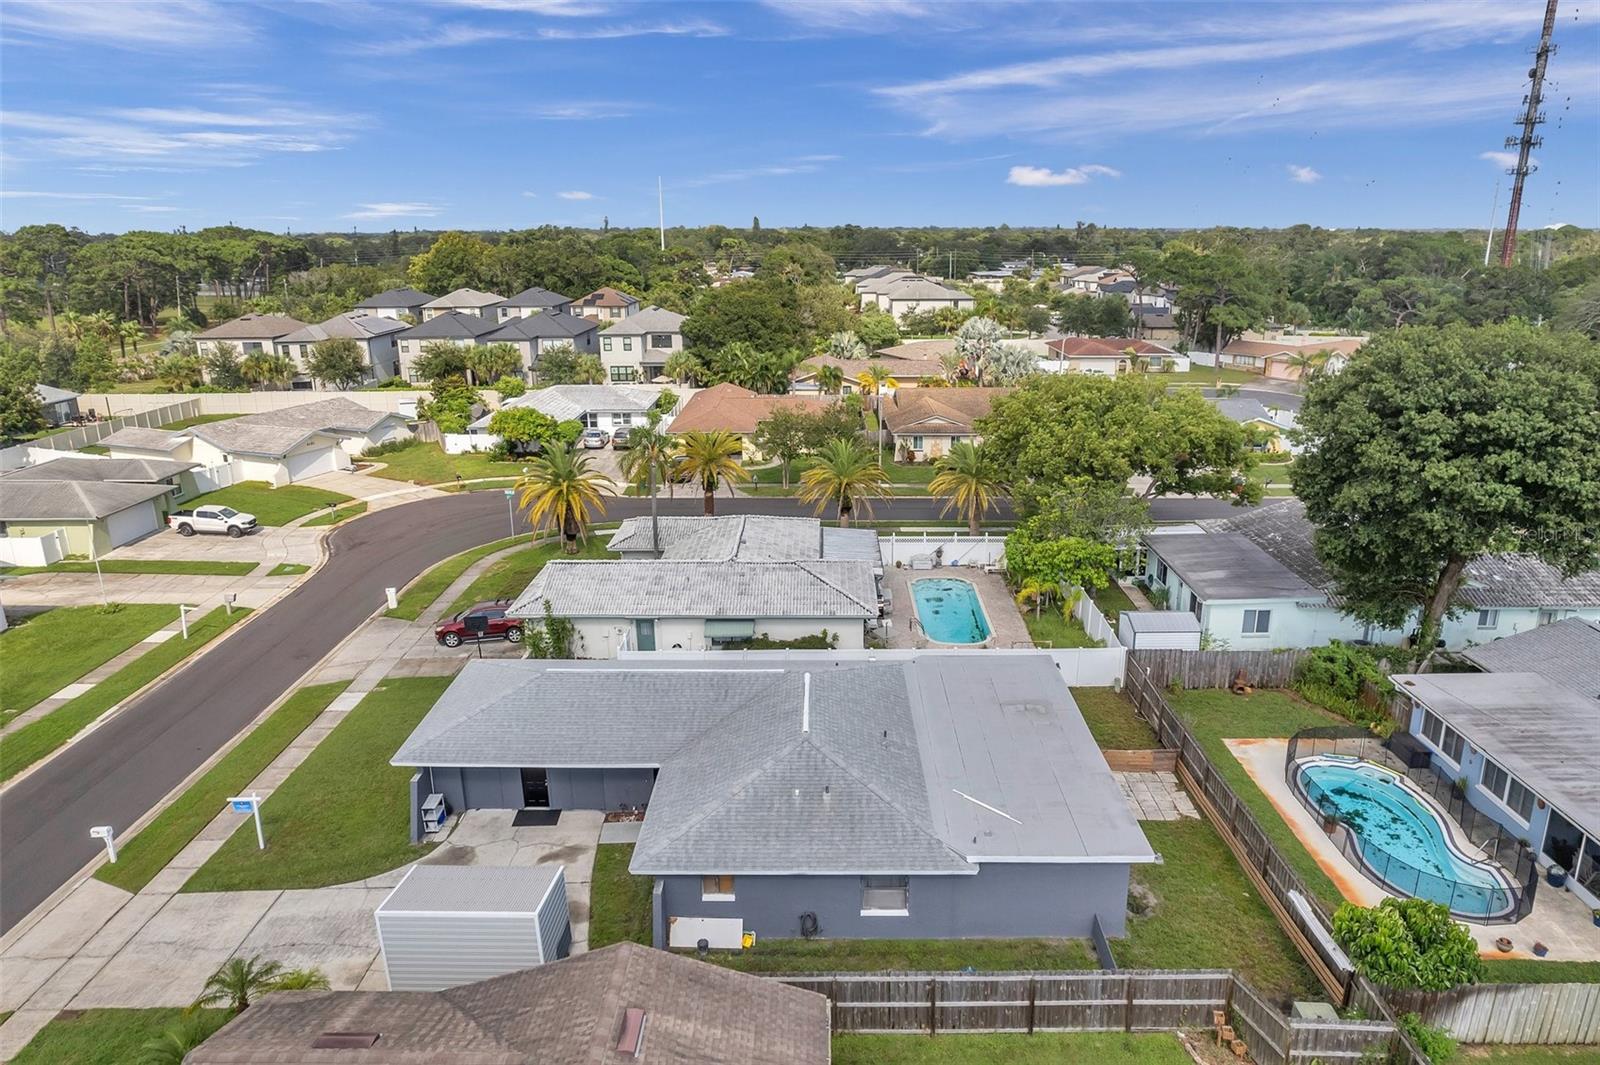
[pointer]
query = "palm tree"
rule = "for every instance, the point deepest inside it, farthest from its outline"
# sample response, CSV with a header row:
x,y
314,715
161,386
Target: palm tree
x,y
129,332
873,380
844,473
1306,363
968,481
647,463
72,324
1035,591
830,379
561,491
589,371
238,981
710,458
490,362
682,367
266,368
302,980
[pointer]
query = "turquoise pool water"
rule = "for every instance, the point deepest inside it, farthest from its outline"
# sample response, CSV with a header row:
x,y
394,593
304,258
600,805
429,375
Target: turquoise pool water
x,y
1403,841
949,610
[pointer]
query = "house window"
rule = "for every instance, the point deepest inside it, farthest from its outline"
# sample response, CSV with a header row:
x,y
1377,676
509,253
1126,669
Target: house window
x,y
405,347
622,419
1161,572
716,889
1508,789
605,343
1446,739
627,343
916,443
1519,799
1494,779
885,896
1257,622
720,632
661,340
1488,619
623,374
1548,616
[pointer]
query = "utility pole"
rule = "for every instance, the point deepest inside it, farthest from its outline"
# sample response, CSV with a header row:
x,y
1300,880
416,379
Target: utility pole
x,y
1531,118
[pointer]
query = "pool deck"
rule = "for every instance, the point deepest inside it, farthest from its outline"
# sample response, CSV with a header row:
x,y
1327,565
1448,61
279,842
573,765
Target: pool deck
x,y
1558,919
1006,626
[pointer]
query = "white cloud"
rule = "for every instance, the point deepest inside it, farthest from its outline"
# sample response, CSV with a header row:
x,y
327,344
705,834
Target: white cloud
x,y
148,208
550,8
1035,177
432,37
531,195
30,194
690,28
1505,160
802,164
138,25
579,110
1304,175
372,211
199,138
576,195
862,16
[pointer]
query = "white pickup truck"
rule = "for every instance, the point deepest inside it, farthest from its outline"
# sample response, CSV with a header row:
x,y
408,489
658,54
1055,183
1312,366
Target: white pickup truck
x,y
213,519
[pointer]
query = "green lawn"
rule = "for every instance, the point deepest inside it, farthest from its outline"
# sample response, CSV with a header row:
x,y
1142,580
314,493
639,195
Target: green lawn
x,y
1274,476
198,419
1054,629
342,815
287,569
1111,600
1216,714
619,902
334,517
498,484
1112,720
190,567
428,464
106,1037
916,955
1537,971
1206,376
1518,1054
146,854
36,740
271,506
45,652
420,593
1043,1048
510,575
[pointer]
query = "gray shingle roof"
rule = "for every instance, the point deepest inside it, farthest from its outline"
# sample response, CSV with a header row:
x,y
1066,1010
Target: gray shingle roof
x,y
566,402
1566,651
1228,566
567,1012
132,471
648,320
52,394
72,500
536,297
400,298
659,589
921,289
724,537
1493,581
354,325
253,327
143,439
270,433
470,889
452,325
1241,409
542,327
465,297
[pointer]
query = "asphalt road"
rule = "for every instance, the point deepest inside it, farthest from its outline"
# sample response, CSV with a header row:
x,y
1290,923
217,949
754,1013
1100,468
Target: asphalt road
x,y
121,769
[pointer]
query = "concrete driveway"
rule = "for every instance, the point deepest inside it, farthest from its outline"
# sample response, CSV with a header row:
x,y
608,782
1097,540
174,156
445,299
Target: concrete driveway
x,y
272,545
379,492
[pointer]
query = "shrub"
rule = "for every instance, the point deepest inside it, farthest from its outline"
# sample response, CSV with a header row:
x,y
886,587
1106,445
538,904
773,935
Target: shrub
x,y
509,387
1335,676
822,641
1408,943
1435,1043
390,447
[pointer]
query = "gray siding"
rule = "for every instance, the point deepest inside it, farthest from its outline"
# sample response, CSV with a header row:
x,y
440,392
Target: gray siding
x,y
431,951
501,789
555,923
1000,900
600,789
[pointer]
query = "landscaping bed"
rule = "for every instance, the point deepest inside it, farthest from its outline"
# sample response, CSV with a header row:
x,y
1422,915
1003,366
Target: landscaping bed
x,y
45,652
909,955
342,814
1041,1048
108,1037
271,506
38,739
144,855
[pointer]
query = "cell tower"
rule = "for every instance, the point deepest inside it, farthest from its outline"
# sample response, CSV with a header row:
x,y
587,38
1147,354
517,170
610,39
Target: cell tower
x,y
1531,119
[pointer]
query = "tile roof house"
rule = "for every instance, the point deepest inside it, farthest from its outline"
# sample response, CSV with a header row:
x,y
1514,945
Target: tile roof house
x,y
637,348
595,406
606,303
911,295
731,408
454,327
1106,355
924,796
1274,356
742,537
397,302
535,334
463,301
925,422
278,447
1279,595
624,1002
374,333
535,300
907,372
693,605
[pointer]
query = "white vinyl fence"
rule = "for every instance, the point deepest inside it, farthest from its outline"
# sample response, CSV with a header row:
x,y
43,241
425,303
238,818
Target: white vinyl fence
x,y
1094,623
920,550
33,550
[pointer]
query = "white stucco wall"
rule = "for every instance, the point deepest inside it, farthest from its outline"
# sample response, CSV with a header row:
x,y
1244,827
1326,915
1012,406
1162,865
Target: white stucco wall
x,y
601,637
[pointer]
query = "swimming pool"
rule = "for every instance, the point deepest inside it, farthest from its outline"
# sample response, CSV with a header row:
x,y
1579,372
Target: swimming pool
x,y
949,610
1402,838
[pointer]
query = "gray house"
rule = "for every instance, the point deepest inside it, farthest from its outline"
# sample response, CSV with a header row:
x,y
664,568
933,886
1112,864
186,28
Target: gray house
x,y
397,302
743,538
453,327
531,301
58,405
537,333
929,796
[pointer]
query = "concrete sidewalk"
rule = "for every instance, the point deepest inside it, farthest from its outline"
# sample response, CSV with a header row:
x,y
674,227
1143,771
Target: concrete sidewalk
x,y
95,945
87,682
376,492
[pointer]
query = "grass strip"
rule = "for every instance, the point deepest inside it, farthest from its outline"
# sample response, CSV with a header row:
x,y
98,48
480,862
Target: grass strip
x,y
108,1037
189,567
1539,971
271,506
40,738
420,593
1041,1048
619,902
287,569
198,419
45,652
334,517
909,955
146,854
510,575
342,814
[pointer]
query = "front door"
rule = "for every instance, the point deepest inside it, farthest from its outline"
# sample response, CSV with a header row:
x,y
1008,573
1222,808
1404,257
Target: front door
x,y
536,788
644,635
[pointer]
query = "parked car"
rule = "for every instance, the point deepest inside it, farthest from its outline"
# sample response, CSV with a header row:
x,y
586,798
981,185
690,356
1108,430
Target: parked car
x,y
453,632
212,520
593,438
619,438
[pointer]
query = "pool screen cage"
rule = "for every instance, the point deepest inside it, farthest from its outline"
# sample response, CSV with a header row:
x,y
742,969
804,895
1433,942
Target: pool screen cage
x,y
1391,871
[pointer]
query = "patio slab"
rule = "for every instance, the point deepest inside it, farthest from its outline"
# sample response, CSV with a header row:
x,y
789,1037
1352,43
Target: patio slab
x,y
1007,628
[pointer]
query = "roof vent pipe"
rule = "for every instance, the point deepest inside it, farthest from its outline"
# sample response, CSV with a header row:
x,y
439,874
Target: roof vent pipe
x,y
805,706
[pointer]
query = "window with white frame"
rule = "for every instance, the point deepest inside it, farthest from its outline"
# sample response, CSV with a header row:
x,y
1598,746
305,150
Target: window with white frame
x,y
661,340
1257,622
886,895
627,343
1488,619
1508,789
605,343
1161,572
716,889
1446,739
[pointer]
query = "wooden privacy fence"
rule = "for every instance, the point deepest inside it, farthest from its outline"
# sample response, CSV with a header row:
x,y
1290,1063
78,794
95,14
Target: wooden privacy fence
x,y
1124,1001
1216,669
1508,1013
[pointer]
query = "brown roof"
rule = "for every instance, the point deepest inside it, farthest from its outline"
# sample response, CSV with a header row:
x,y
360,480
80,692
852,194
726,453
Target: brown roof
x,y
939,410
738,410
1103,347
1268,348
569,1012
607,297
919,349
253,327
907,368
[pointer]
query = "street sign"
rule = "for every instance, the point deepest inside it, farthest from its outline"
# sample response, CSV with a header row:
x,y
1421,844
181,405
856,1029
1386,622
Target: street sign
x,y
249,804
243,806
510,492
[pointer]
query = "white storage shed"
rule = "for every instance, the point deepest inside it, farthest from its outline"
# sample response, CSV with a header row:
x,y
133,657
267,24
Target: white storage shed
x,y
447,925
1149,630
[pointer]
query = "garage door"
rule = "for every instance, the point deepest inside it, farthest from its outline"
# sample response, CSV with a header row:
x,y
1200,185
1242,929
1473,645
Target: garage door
x,y
126,526
310,463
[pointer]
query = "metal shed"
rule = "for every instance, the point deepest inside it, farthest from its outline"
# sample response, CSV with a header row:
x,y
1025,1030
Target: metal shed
x,y
446,925
1145,630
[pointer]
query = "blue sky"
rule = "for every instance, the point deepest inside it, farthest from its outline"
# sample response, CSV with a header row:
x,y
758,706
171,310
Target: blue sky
x,y
512,113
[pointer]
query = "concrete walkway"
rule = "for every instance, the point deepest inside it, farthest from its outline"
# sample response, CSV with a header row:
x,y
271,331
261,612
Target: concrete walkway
x,y
87,682
376,492
96,945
